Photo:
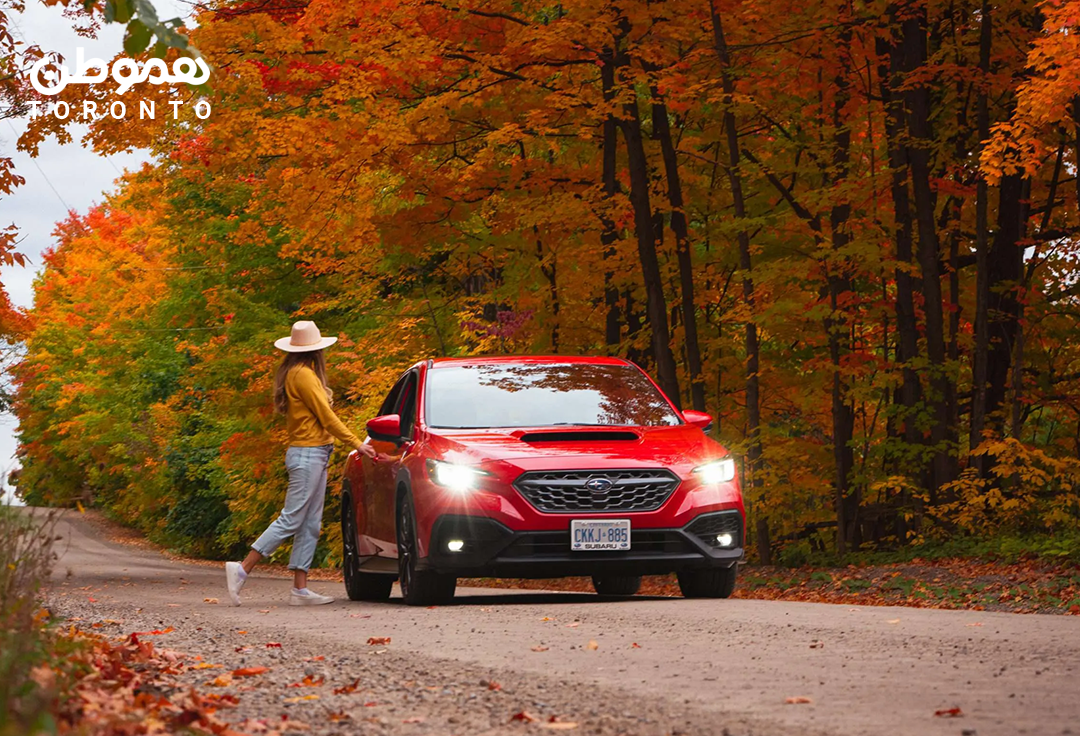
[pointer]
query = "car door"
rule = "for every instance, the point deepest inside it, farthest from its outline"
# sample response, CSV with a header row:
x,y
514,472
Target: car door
x,y
379,480
381,502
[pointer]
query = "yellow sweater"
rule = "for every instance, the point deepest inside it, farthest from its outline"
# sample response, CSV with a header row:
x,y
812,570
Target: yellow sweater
x,y
310,419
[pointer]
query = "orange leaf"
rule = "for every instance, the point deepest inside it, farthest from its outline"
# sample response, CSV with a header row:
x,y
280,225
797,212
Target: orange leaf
x,y
347,689
949,712
378,640
798,700
540,648
249,671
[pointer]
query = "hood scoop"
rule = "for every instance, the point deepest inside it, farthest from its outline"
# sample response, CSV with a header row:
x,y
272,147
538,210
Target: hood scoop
x,y
580,435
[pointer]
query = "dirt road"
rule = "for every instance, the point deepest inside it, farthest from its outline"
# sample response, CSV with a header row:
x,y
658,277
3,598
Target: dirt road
x,y
661,665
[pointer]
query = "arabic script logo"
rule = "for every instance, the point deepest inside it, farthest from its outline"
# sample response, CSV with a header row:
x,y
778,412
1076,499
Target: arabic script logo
x,y
49,77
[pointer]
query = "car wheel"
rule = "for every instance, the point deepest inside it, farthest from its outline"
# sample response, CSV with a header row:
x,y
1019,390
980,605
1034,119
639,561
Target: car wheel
x,y
616,584
716,583
418,587
360,585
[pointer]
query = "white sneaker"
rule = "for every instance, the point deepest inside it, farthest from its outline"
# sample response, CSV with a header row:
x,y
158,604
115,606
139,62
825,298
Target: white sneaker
x,y
235,579
307,597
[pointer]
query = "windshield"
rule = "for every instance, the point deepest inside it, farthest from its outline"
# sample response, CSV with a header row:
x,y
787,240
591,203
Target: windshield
x,y
508,395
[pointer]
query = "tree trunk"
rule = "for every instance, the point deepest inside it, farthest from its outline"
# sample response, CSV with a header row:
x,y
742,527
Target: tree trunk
x,y
907,328
656,304
917,99
609,236
839,283
1004,270
662,132
982,246
753,401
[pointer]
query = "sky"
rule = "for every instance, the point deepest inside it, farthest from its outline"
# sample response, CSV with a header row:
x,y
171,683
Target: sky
x,y
61,177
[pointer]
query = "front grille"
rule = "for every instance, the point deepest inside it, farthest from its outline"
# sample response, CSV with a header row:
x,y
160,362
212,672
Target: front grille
x,y
707,526
642,542
568,491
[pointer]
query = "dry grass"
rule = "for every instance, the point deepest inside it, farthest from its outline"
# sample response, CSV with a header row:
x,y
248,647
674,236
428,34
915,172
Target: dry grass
x,y
26,560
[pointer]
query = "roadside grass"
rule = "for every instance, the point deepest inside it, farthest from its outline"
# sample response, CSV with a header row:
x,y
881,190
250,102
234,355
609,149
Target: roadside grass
x,y
26,642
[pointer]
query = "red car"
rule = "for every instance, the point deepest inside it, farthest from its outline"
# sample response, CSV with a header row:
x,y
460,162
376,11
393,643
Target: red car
x,y
538,467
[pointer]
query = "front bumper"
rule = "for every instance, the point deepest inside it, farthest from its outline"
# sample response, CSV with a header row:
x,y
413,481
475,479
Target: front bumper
x,y
492,550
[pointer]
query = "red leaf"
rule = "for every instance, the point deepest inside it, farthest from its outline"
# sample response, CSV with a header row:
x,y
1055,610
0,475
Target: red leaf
x,y
949,713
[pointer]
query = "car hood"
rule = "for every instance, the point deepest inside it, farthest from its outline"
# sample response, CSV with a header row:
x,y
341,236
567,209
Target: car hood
x,y
680,448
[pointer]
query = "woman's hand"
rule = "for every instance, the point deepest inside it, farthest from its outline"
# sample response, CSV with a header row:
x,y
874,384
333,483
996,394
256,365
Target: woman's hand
x,y
369,451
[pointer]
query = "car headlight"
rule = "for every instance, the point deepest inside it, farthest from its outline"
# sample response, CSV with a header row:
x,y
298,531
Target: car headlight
x,y
718,471
460,478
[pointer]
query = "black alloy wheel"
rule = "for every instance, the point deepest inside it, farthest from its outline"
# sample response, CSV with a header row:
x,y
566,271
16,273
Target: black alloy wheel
x,y
620,585
715,583
418,587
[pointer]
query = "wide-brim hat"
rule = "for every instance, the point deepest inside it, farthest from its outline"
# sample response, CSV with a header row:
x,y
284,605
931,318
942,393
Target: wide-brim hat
x,y
305,337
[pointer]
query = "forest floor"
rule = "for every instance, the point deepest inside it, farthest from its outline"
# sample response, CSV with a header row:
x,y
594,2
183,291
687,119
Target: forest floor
x,y
1023,586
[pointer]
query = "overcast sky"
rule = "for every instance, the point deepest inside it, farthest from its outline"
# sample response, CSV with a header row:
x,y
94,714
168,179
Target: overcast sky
x,y
61,177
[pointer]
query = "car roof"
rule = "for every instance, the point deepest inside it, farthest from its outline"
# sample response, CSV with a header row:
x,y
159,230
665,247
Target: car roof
x,y
526,360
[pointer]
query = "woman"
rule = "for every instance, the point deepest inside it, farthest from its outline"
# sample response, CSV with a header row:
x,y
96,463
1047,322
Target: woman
x,y
301,394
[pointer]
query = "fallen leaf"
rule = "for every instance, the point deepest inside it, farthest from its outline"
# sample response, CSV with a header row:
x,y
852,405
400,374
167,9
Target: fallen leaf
x,y
372,704
540,648
523,716
338,716
359,615
309,681
492,685
300,698
320,658
155,632
264,610
592,646
273,645
798,700
635,645
243,649
573,625
557,724
249,671
414,719
210,600
547,618
977,623
378,640
949,713
173,605
347,689
893,621
291,725
241,632
207,666
221,681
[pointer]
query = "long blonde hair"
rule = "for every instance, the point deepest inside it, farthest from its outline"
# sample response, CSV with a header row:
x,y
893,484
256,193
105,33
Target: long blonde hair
x,y
313,359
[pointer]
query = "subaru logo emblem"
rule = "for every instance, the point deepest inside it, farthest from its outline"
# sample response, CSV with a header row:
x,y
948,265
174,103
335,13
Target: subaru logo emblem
x,y
599,485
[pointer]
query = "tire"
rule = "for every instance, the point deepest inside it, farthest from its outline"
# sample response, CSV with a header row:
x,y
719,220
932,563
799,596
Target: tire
x,y
418,587
621,585
715,583
360,585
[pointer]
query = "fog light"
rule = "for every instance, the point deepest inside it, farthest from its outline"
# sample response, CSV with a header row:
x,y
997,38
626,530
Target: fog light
x,y
456,545
724,540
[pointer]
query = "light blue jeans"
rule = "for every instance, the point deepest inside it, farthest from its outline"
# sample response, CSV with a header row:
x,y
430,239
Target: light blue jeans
x,y
301,518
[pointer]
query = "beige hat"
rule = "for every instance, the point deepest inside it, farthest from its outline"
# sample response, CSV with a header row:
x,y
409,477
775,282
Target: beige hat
x,y
305,337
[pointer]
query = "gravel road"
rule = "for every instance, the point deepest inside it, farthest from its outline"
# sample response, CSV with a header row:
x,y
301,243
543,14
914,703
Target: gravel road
x,y
640,666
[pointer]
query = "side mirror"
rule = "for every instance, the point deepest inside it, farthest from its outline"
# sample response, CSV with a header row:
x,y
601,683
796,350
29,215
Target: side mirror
x,y
386,428
699,419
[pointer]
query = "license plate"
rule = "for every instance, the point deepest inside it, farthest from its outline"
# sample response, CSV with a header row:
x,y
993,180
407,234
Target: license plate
x,y
599,534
